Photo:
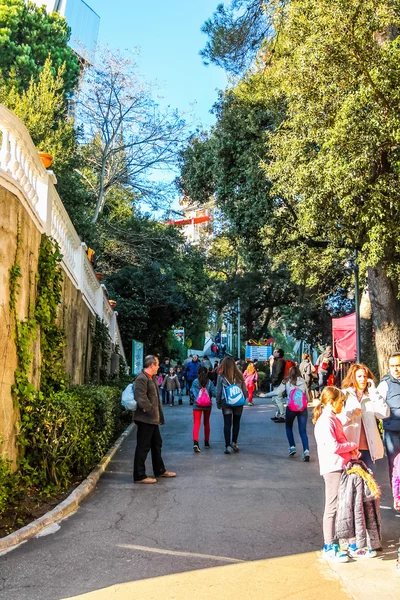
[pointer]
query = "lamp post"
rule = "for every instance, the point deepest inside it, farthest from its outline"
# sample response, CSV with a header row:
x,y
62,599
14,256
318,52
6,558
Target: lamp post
x,y
352,265
238,325
357,301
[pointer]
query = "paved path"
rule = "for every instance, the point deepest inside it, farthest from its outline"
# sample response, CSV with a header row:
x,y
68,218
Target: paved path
x,y
246,526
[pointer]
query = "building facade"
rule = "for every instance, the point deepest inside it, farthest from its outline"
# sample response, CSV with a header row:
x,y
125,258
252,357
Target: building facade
x,y
82,20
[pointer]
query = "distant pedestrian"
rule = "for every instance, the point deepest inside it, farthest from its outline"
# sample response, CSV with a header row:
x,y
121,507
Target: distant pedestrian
x,y
297,401
203,391
229,375
163,370
277,374
170,385
250,378
148,416
306,370
325,364
191,370
389,389
334,452
181,378
206,362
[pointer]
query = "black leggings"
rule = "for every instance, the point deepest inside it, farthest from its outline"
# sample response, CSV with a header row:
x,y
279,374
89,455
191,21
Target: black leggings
x,y
228,426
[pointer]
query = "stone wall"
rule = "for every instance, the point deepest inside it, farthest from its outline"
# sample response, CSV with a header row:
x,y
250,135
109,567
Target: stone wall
x,y
74,315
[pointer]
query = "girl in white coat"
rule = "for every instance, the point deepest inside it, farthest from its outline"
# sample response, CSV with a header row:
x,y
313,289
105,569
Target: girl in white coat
x,y
363,406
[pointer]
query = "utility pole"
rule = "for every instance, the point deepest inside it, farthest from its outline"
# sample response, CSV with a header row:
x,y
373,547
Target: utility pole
x,y
238,324
357,302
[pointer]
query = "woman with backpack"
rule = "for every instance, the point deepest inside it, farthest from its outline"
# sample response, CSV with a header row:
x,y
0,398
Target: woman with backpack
x,y
297,401
203,390
231,397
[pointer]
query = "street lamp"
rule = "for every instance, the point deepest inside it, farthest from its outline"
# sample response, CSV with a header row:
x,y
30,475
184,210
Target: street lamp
x,y
353,266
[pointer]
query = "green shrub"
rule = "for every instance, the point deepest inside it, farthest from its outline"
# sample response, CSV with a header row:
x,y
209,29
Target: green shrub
x,y
66,433
7,488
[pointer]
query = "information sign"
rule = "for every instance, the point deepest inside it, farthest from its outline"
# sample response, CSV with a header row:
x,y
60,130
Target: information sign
x,y
258,352
137,357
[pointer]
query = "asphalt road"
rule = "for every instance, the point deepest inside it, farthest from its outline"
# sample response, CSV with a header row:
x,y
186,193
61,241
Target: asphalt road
x,y
234,524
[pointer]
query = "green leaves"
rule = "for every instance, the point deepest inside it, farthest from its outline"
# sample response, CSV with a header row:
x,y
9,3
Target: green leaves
x,y
28,36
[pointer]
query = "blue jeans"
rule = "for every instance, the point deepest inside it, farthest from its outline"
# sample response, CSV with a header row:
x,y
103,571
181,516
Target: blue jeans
x,y
392,443
366,458
302,423
322,380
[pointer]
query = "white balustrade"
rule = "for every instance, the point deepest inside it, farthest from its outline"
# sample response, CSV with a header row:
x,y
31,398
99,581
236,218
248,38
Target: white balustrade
x,y
64,233
20,162
21,167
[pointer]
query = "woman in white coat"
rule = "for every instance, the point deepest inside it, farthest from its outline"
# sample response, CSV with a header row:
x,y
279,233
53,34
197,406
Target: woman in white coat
x,y
363,406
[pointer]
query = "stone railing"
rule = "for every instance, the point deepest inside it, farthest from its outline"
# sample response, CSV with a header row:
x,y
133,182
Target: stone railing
x,y
22,172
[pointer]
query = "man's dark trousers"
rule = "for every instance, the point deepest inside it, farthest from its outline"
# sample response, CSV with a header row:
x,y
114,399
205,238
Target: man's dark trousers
x,y
148,438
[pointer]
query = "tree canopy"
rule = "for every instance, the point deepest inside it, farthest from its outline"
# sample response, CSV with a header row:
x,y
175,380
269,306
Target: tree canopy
x,y
28,36
328,74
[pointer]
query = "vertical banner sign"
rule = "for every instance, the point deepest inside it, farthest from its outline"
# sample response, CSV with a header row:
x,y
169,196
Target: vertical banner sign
x,y
137,357
180,334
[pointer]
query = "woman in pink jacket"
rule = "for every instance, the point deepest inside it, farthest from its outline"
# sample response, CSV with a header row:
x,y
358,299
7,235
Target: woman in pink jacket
x,y
250,377
334,452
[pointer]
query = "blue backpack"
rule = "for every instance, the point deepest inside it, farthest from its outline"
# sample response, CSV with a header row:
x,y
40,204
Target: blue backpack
x,y
234,395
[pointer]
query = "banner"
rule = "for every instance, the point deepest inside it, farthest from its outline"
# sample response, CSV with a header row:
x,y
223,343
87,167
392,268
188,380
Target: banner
x,y
137,357
180,334
344,337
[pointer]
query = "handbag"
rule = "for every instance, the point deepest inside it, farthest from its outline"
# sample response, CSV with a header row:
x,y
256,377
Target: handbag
x,y
128,398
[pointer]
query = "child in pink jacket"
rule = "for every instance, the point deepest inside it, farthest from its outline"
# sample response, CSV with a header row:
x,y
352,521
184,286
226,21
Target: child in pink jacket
x,y
334,452
396,496
250,377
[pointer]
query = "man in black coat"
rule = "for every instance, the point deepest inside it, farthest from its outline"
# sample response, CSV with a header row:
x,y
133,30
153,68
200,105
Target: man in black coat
x,y
148,417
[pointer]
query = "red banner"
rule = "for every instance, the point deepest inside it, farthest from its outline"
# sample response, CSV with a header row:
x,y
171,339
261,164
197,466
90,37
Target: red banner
x,y
344,337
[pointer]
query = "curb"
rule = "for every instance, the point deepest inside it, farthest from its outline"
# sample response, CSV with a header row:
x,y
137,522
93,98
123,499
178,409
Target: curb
x,y
67,506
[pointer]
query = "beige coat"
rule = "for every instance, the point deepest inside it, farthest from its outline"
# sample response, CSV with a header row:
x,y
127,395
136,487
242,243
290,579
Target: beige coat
x,y
373,407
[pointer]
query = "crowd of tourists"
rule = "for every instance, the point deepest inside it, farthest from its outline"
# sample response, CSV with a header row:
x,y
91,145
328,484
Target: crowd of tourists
x,y
348,422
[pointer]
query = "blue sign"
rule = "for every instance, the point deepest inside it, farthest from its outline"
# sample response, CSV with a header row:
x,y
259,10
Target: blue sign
x,y
258,352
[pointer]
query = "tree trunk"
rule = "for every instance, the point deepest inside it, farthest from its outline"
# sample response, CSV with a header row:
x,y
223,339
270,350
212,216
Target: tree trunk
x,y
385,315
368,348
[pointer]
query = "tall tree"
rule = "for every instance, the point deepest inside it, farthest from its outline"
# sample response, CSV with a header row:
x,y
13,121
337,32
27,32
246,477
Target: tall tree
x,y
335,156
236,33
127,135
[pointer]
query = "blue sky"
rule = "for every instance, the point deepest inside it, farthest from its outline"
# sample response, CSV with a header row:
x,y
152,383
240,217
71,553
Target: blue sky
x,y
168,34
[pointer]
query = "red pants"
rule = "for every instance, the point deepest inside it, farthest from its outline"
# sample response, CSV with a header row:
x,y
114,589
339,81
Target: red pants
x,y
250,391
196,424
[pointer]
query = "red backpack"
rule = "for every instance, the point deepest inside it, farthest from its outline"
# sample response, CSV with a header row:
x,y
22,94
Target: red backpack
x,y
288,365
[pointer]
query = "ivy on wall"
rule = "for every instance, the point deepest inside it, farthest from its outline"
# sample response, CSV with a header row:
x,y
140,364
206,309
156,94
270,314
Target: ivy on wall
x,y
101,350
38,414
62,431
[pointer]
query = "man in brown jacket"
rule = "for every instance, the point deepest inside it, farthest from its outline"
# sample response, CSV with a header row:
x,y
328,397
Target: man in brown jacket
x,y
148,417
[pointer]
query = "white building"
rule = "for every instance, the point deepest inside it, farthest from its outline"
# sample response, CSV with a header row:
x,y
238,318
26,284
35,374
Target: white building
x,y
197,222
84,23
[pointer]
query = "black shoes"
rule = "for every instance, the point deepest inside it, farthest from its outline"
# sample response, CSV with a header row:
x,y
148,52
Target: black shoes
x,y
278,419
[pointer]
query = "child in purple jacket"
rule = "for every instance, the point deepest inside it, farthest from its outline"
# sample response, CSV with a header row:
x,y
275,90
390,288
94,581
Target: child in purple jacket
x,y
396,497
